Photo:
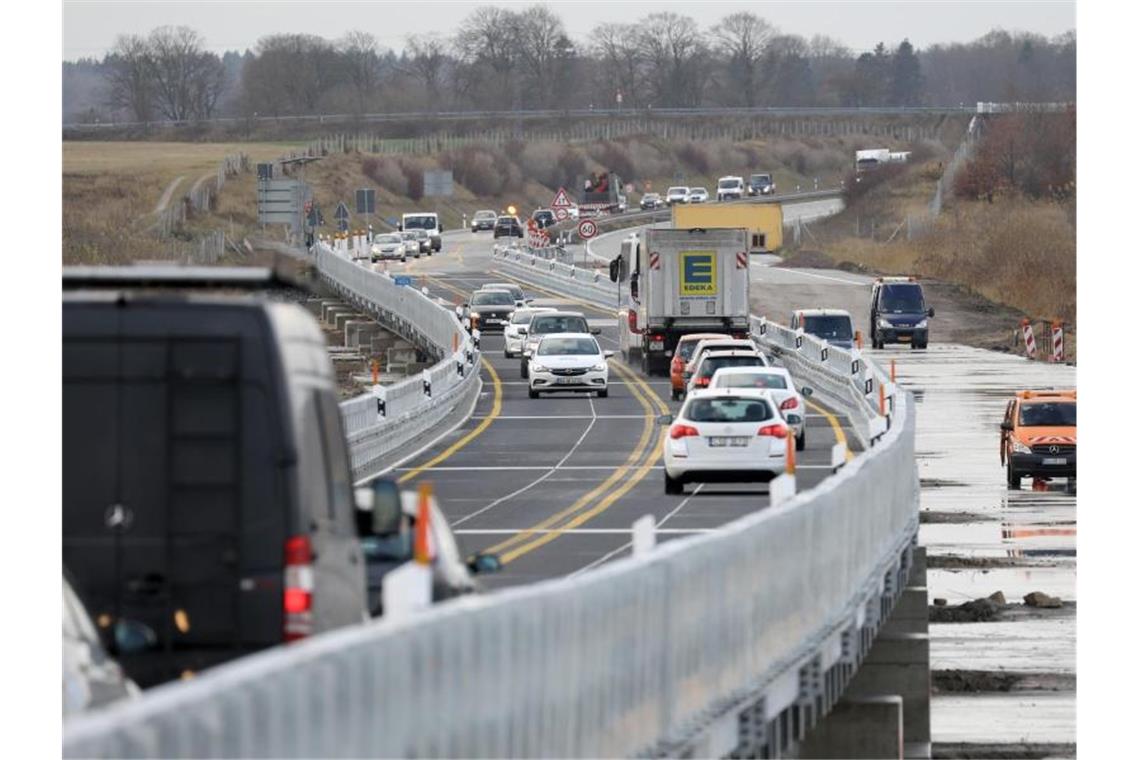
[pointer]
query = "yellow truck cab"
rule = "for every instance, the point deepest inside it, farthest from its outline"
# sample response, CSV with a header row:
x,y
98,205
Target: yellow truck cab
x,y
1039,436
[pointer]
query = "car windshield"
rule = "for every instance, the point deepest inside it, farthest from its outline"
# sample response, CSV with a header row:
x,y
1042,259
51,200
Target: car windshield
x,y
727,410
678,190
729,183
387,239
753,380
568,347
761,178
713,363
485,214
522,317
830,328
699,191
651,196
544,325
721,347
419,223
492,298
902,299
1049,414
506,220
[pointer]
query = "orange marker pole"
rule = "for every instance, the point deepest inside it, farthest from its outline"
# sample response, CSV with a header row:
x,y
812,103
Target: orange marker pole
x,y
421,552
882,401
791,456
892,370
859,339
375,372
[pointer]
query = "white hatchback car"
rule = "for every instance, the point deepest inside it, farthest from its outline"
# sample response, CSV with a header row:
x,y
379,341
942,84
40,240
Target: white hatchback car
x,y
698,195
514,335
569,362
726,435
711,361
779,382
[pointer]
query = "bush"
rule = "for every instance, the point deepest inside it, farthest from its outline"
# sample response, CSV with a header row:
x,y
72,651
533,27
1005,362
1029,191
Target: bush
x,y
414,175
694,157
387,174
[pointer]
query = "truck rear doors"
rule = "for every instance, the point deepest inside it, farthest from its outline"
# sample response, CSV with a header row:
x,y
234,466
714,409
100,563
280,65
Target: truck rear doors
x,y
694,277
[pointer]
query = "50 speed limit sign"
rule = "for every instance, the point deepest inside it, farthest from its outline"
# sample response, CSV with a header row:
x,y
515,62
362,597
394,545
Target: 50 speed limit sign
x,y
587,229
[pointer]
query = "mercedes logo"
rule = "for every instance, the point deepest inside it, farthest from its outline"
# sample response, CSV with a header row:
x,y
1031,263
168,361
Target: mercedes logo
x,y
1054,449
118,517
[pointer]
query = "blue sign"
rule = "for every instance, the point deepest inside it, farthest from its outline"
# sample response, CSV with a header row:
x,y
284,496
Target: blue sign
x,y
403,279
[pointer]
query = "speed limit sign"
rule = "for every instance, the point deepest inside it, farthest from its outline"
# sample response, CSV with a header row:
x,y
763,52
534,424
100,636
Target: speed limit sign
x,y
587,229
560,214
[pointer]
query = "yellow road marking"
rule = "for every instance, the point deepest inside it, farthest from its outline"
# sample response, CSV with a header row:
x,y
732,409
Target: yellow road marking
x,y
836,428
496,408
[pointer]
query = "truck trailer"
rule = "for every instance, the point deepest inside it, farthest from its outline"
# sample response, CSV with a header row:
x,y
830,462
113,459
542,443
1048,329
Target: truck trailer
x,y
680,281
763,221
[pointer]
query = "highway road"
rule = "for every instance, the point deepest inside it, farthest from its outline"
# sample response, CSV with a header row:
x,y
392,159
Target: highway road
x,y
552,485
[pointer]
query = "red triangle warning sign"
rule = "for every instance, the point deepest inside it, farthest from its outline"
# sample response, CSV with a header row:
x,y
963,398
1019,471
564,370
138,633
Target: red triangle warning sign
x,y
561,199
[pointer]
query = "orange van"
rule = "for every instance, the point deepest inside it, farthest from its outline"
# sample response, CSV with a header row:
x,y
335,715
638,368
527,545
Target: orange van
x,y
1039,436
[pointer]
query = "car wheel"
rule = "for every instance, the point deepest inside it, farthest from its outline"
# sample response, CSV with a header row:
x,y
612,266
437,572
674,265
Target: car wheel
x,y
604,393
532,393
508,355
673,486
403,259
801,441
1012,479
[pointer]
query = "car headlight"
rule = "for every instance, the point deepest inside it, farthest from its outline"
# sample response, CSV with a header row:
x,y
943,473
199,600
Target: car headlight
x,y
885,323
598,367
1021,448
921,325
536,367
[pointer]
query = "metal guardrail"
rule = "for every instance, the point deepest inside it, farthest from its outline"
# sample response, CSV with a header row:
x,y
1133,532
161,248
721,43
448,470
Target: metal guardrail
x,y
383,424
708,645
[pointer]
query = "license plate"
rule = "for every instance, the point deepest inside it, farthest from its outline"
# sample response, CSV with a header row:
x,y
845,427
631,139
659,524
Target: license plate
x,y
493,321
1054,461
566,381
904,339
718,441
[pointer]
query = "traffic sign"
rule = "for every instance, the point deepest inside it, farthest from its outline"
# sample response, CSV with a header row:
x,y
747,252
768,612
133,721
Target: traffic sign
x,y
560,214
341,211
403,279
366,201
561,199
587,229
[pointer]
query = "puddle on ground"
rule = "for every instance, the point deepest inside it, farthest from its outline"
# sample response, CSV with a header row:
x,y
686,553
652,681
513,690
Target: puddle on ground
x,y
1034,717
1036,646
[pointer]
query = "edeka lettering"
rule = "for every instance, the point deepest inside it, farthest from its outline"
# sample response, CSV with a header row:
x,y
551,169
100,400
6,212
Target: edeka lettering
x,y
698,273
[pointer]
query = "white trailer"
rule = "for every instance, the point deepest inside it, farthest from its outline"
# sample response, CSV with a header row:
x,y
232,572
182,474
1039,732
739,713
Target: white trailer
x,y
679,282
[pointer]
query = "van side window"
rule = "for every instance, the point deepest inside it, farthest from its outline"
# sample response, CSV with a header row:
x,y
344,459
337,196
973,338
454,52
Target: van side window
x,y
335,458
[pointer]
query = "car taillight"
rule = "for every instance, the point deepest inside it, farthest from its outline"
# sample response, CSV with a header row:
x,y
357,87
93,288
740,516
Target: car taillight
x,y
702,381
632,318
790,403
776,431
682,431
297,601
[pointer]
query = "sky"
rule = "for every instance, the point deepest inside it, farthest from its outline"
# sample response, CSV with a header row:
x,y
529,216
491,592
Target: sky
x,y
90,26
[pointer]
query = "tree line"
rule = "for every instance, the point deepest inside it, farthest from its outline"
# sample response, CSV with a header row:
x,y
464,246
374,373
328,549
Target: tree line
x,y
508,58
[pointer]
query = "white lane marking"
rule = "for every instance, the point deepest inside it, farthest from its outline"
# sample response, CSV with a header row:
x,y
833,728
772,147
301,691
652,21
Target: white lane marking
x,y
581,531
539,468
612,382
609,555
563,416
794,271
535,482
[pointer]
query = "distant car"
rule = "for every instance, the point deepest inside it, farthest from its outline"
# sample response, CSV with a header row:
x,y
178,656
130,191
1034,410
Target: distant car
x,y
490,310
507,226
833,325
389,246
724,435
545,324
424,240
698,195
543,218
91,678
899,313
677,194
726,343
711,361
681,355
569,362
761,184
572,212
483,220
429,222
514,334
777,380
651,202
1039,436
390,516
515,291
730,188
412,243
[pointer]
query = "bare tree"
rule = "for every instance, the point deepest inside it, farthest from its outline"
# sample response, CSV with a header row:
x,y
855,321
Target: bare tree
x,y
619,65
672,50
426,61
130,76
487,39
187,78
544,53
290,75
362,61
741,39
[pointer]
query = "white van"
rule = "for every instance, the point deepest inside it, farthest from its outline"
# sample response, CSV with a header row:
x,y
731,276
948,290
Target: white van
x,y
427,221
730,188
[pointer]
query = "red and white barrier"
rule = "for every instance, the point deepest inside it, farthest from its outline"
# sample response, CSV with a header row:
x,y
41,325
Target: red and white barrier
x,y
1058,341
1030,342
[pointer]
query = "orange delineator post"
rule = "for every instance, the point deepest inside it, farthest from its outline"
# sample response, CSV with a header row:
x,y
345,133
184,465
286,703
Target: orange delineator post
x,y
882,401
892,370
790,462
375,372
421,551
859,339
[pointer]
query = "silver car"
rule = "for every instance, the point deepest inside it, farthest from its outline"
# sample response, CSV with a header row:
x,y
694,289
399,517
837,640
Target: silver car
x,y
389,246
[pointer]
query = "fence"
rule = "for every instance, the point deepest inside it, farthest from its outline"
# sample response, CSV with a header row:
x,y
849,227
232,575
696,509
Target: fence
x,y
708,645
200,196
386,423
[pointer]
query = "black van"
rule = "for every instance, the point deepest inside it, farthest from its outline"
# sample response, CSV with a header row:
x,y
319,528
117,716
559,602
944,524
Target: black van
x,y
207,492
899,313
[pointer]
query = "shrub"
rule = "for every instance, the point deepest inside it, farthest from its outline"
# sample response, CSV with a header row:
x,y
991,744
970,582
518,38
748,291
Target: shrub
x,y
387,174
693,156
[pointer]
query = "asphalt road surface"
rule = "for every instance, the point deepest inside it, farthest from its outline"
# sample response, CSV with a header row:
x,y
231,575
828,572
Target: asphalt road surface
x,y
552,485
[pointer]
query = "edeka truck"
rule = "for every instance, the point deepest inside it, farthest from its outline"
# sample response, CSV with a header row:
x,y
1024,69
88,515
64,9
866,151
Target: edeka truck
x,y
763,221
675,282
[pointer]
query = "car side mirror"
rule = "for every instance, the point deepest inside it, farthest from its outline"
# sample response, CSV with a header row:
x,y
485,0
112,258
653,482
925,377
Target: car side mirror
x,y
378,510
608,354
595,331
930,312
665,419
806,391
400,227
482,563
1007,427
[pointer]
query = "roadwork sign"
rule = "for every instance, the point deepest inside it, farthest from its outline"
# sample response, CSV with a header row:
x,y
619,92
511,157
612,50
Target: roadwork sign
x,y
587,229
561,200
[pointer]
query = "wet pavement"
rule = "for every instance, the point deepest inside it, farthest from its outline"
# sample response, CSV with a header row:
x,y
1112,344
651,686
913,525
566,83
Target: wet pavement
x,y
961,394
